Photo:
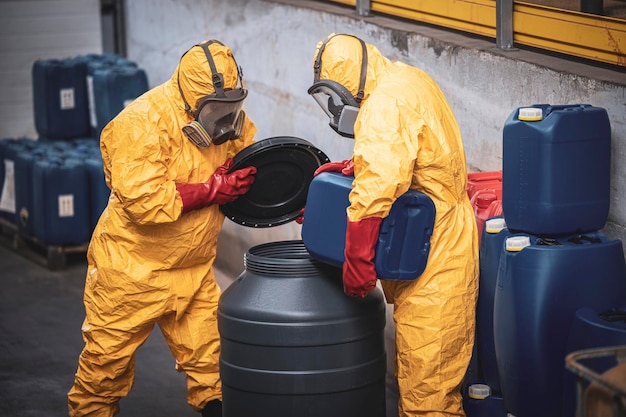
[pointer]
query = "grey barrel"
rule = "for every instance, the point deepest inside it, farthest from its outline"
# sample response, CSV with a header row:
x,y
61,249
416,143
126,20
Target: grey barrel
x,y
293,344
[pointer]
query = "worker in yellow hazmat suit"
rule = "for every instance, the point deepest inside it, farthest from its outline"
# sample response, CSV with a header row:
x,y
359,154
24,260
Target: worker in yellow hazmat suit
x,y
406,137
167,159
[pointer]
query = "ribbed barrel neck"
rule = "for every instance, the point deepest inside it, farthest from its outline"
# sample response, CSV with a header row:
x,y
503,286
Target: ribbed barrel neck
x,y
285,258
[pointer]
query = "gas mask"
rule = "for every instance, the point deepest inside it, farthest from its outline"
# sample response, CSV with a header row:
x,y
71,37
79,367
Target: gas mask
x,y
338,103
218,117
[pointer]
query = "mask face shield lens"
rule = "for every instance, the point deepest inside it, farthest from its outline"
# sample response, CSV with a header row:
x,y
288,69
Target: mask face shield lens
x,y
222,117
338,104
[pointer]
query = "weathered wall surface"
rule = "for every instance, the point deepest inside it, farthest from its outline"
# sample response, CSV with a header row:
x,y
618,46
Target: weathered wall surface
x,y
274,42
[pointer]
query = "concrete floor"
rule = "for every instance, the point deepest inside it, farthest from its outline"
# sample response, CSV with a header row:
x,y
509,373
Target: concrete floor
x,y
41,312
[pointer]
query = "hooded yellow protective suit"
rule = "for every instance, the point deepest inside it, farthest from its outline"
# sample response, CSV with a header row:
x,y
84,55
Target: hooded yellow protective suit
x,y
147,263
406,137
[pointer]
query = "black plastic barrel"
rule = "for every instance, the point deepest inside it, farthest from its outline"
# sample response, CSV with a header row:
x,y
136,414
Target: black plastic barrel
x,y
293,344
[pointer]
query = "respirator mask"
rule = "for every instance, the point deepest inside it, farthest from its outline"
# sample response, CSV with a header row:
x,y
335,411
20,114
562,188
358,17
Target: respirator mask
x,y
338,103
218,117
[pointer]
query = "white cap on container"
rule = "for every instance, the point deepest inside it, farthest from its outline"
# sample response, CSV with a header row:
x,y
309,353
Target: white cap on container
x,y
479,391
495,225
517,243
530,114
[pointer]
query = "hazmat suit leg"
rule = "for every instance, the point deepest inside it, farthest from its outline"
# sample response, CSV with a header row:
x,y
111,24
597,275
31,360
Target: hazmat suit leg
x,y
194,341
106,370
434,339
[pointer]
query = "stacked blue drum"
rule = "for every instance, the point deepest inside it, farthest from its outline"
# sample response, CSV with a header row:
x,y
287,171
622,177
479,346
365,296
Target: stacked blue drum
x,y
52,191
552,260
60,99
77,96
482,393
112,83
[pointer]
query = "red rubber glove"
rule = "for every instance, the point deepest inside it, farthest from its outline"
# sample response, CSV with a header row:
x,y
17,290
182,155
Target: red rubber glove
x,y
300,218
346,167
359,272
223,187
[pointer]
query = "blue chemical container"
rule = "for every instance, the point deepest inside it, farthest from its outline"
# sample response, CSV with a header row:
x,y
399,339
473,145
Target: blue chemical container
x,y
541,284
478,406
556,166
61,191
93,65
7,183
491,247
26,211
99,193
4,142
11,149
106,58
61,108
593,329
113,89
404,237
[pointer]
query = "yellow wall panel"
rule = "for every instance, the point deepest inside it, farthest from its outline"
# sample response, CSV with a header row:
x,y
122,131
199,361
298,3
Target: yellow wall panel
x,y
578,34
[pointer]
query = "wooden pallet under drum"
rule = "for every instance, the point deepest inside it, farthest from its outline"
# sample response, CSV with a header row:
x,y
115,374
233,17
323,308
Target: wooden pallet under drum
x,y
53,257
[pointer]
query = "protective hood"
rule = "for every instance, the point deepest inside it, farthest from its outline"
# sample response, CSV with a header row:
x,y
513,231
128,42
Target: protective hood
x,y
341,62
193,73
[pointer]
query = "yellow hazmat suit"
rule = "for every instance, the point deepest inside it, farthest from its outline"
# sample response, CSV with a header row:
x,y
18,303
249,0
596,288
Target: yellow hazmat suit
x,y
406,137
147,263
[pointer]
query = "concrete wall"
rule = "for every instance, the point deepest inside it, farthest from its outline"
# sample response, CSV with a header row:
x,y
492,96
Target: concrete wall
x,y
274,42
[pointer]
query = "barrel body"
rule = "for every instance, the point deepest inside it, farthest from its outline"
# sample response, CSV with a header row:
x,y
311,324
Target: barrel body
x,y
293,344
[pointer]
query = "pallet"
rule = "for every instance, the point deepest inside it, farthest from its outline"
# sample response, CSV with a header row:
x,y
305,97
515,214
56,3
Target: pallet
x,y
53,257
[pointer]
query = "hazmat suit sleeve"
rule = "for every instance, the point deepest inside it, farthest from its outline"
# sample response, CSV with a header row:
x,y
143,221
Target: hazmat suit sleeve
x,y
134,157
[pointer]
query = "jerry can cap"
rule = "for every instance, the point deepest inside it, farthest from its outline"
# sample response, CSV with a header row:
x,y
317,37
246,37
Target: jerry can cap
x,y
530,114
517,243
495,225
479,391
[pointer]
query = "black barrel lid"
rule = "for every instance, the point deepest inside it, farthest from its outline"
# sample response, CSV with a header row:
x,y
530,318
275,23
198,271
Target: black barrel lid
x,y
285,167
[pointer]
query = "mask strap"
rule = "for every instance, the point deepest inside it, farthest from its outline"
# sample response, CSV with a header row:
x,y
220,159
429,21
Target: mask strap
x,y
217,78
219,83
317,66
